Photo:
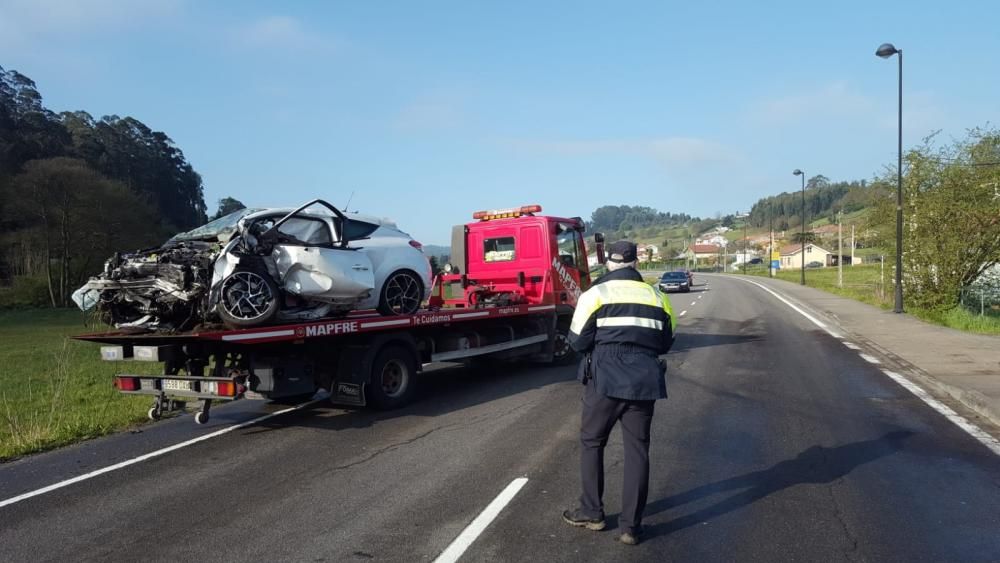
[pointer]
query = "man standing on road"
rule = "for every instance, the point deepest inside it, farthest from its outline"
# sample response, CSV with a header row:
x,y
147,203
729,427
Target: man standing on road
x,y
622,324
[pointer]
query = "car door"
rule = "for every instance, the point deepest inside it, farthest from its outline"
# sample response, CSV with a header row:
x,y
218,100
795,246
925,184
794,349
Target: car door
x,y
312,266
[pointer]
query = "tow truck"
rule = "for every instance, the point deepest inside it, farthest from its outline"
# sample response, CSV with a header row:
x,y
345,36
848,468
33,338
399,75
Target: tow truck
x,y
508,293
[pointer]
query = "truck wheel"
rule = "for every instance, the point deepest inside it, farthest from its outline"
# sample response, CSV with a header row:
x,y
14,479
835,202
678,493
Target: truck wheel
x,y
562,353
393,378
248,298
401,294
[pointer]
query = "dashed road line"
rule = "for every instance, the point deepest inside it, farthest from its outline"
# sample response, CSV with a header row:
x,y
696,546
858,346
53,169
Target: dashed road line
x,y
870,359
474,529
852,345
682,313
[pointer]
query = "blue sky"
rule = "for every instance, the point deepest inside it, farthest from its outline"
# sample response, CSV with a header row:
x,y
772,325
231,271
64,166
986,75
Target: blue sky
x,y
428,111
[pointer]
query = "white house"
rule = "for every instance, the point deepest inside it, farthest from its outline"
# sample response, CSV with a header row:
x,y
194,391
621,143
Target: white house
x,y
791,255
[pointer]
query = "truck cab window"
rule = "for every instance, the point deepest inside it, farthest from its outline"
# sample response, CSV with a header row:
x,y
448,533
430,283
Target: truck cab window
x,y
498,249
570,249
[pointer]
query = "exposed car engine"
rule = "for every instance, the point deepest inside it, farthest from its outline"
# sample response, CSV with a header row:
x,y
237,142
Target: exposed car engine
x,y
163,288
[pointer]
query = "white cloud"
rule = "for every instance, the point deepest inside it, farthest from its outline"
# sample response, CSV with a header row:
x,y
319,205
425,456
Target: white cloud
x,y
279,32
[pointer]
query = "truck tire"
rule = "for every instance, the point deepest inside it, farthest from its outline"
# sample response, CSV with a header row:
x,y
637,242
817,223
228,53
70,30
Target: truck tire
x,y
562,353
393,380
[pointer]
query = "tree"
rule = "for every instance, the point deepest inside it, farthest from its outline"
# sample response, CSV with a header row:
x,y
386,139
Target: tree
x,y
77,218
951,216
809,237
228,205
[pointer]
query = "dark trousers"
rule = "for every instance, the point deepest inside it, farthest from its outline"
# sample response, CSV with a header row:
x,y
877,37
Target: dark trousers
x,y
600,414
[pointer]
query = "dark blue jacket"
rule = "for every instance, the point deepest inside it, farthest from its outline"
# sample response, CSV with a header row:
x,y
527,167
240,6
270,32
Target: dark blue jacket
x,y
623,324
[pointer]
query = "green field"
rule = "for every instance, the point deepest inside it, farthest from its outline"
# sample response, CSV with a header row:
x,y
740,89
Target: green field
x,y
53,390
871,285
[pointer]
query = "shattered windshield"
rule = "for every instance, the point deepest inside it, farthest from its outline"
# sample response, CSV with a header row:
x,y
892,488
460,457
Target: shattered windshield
x,y
218,229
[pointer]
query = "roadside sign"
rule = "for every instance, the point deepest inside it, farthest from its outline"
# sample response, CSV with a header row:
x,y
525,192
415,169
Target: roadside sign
x,y
775,255
776,264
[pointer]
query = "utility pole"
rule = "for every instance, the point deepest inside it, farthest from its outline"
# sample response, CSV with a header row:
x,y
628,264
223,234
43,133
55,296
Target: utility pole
x,y
770,245
840,249
853,244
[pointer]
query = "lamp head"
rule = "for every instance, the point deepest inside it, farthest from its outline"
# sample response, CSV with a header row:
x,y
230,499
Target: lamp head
x,y
886,50
797,172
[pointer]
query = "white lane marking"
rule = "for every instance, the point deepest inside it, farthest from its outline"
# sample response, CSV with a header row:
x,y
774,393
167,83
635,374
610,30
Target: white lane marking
x,y
869,359
150,455
682,313
693,303
797,309
852,345
976,432
700,296
472,531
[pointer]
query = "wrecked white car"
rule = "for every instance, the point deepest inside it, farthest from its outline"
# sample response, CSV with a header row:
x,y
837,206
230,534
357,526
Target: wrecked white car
x,y
260,266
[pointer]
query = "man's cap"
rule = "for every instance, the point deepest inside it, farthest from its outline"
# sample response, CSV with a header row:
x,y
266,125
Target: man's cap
x,y
622,251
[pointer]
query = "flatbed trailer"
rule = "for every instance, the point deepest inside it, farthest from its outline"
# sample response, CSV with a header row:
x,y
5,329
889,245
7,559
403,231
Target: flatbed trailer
x,y
364,358
509,292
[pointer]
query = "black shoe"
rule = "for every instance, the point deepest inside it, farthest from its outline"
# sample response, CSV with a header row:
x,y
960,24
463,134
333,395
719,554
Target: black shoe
x,y
631,537
577,518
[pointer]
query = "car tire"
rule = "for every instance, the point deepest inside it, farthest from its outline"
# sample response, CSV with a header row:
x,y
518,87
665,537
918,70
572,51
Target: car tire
x,y
393,381
401,294
248,298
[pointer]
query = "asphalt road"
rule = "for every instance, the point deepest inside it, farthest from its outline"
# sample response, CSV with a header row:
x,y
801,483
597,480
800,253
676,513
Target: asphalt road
x,y
778,443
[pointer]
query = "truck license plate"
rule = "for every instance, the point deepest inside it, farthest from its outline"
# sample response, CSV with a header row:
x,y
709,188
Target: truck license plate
x,y
177,385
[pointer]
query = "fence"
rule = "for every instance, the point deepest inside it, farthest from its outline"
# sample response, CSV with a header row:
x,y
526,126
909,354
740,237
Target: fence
x,y
983,300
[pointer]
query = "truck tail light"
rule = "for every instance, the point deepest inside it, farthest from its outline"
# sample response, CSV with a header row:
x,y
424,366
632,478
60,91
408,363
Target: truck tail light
x,y
226,388
220,388
417,245
125,383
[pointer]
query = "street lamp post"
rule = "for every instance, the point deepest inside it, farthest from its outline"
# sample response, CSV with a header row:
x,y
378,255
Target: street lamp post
x,y
885,51
802,243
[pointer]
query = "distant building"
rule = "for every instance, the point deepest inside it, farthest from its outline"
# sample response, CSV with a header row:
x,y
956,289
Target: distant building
x,y
791,255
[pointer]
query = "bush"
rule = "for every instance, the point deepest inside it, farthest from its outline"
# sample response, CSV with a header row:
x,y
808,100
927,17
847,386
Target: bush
x,y
25,292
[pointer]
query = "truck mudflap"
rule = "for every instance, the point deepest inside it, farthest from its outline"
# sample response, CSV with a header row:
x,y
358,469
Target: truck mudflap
x,y
350,394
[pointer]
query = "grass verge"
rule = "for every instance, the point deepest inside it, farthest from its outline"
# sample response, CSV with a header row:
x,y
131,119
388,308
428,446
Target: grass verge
x,y
54,390
870,284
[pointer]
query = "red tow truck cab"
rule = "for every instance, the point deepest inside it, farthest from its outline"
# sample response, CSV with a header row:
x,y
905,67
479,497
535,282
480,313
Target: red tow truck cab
x,y
509,293
512,256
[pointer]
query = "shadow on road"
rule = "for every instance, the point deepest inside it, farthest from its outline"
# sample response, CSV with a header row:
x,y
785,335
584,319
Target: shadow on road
x,y
441,391
816,465
690,341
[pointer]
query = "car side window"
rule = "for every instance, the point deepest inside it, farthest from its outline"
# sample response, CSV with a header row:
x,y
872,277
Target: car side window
x,y
355,230
298,230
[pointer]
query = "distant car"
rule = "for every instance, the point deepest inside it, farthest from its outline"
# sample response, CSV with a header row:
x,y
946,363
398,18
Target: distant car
x,y
690,276
756,261
814,264
675,281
